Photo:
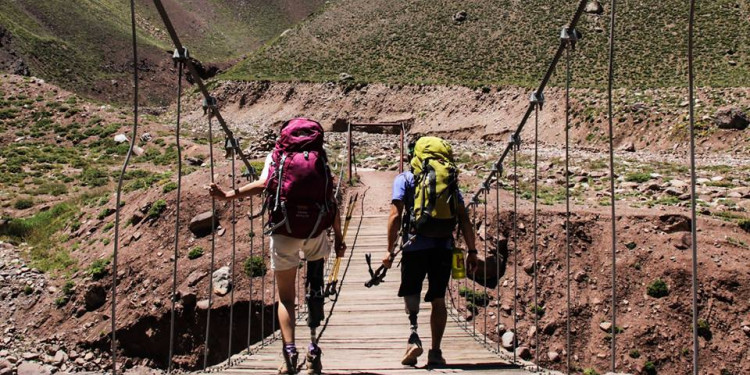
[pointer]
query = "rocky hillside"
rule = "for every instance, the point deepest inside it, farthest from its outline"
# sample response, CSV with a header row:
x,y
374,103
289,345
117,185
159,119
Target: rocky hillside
x,y
488,43
86,48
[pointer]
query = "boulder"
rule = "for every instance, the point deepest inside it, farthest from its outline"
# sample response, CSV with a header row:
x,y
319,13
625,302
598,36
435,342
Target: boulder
x,y
523,352
188,299
628,147
460,16
508,340
594,7
675,223
195,277
731,118
221,281
121,138
32,368
202,224
94,297
553,356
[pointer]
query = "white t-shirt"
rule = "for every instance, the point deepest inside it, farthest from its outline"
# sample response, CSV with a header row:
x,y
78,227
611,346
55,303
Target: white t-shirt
x,y
264,173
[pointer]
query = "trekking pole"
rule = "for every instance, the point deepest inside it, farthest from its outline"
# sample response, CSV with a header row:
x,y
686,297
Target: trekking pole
x,y
333,277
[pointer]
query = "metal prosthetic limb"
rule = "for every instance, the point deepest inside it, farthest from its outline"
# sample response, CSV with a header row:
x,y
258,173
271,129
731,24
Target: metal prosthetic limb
x,y
315,296
412,309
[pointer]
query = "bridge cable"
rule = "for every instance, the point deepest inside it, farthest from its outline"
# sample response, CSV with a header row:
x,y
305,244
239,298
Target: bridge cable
x,y
180,68
234,147
536,226
119,189
694,218
567,203
515,144
474,308
497,249
210,103
610,82
485,296
250,278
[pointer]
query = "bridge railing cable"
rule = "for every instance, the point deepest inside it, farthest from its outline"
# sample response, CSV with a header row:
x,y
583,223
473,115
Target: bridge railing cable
x,y
568,37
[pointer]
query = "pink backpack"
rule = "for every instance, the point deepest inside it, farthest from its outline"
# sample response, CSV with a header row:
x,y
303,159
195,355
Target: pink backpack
x,y
299,188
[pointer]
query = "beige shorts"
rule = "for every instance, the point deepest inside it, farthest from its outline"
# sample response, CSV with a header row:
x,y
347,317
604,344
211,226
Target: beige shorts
x,y
285,250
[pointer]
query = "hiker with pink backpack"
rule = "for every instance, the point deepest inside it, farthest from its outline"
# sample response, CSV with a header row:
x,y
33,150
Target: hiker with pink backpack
x,y
300,202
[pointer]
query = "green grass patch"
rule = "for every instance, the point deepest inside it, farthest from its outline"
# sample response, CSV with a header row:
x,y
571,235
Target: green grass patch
x,y
657,289
157,208
23,203
168,187
638,177
195,252
98,269
255,266
744,224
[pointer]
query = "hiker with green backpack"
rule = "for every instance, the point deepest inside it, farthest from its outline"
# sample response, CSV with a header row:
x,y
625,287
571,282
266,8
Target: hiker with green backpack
x,y
426,207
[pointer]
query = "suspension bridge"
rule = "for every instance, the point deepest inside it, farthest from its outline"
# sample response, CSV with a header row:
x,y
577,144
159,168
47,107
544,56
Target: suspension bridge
x,y
364,333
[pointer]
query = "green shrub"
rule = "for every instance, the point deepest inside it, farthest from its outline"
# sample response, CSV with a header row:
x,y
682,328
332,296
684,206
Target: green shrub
x,y
195,252
53,188
68,288
93,177
157,208
108,226
590,371
538,310
98,269
649,368
704,329
635,354
657,289
27,290
744,224
637,177
61,301
23,203
170,186
255,266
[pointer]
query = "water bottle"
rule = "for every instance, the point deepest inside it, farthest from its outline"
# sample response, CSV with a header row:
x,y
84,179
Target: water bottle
x,y
458,270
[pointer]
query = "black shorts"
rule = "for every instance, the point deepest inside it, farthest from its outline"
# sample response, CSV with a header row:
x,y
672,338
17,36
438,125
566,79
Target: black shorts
x,y
433,263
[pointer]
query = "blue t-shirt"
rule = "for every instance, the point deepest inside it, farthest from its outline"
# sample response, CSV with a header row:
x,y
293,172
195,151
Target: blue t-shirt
x,y
403,190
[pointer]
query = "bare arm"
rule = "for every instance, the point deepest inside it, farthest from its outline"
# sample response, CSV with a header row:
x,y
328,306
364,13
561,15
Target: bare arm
x,y
469,238
394,223
254,188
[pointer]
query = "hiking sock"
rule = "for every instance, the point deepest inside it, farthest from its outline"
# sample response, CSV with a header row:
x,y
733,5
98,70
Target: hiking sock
x,y
290,349
313,349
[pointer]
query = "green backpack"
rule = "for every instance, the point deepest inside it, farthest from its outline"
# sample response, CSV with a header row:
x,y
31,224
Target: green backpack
x,y
436,202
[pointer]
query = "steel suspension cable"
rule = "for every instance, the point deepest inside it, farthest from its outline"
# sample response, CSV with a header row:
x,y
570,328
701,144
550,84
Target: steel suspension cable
x,y
536,225
485,302
118,199
515,246
234,253
180,68
250,278
610,82
213,235
497,251
567,205
693,227
474,309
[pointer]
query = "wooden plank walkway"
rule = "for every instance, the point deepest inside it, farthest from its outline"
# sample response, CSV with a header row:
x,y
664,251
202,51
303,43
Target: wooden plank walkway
x,y
367,332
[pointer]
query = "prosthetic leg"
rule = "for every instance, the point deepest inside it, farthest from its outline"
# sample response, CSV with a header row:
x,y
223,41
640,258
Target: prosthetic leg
x,y
414,345
315,298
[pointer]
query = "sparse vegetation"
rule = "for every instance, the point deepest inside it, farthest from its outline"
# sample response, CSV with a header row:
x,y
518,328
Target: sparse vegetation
x,y
170,186
538,310
255,266
638,177
195,252
23,203
635,354
657,289
590,371
744,224
649,368
704,329
157,208
98,269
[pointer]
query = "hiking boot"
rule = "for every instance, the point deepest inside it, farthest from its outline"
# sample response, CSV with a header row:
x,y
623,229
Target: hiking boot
x,y
435,358
312,360
413,350
289,364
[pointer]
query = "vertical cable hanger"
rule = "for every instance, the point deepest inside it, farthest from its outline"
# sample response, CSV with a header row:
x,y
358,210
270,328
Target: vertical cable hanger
x,y
610,82
178,57
538,101
499,171
263,281
693,227
250,279
515,145
208,106
233,144
571,36
118,200
485,303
